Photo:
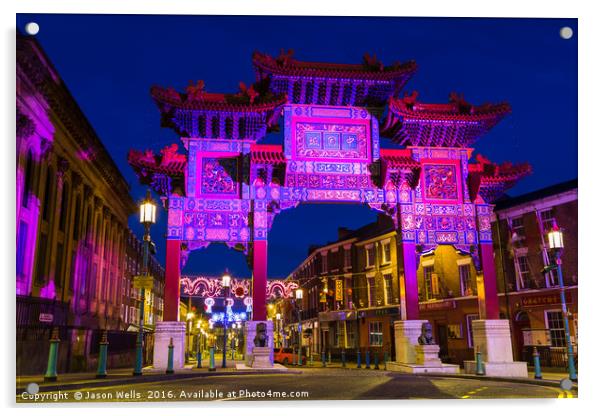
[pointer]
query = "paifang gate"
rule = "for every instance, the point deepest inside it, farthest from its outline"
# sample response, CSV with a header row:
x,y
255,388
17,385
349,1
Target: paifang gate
x,y
226,187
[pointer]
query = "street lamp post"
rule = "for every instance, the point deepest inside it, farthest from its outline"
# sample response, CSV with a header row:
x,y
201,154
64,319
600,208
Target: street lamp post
x,y
279,340
299,296
148,213
556,243
226,285
189,317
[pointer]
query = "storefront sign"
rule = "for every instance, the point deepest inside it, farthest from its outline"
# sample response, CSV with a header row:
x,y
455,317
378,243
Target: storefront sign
x,y
338,290
437,306
46,317
541,300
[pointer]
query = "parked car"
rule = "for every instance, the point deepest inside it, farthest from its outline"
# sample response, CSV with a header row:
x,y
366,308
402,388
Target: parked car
x,y
287,356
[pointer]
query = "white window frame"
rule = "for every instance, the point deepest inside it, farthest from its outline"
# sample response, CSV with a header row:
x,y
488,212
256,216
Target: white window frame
x,y
369,248
520,274
546,223
386,259
546,319
379,326
429,287
521,227
463,284
347,258
370,287
387,290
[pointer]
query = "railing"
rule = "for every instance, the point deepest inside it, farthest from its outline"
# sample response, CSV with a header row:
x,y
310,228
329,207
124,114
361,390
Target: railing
x,y
30,308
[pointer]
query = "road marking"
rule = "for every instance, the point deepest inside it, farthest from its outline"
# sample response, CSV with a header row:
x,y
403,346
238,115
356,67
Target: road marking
x,y
565,395
466,397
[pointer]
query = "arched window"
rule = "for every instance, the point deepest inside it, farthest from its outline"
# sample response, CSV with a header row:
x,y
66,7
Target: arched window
x,y
48,194
28,180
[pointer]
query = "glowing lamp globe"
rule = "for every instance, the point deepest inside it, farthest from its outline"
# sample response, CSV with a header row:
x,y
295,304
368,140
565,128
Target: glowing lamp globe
x,y
226,280
148,210
189,316
555,240
299,293
278,316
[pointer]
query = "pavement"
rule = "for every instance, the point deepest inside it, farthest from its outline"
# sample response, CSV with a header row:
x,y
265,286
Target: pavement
x,y
190,376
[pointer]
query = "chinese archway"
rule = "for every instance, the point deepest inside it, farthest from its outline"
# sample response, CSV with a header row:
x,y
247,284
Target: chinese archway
x,y
227,187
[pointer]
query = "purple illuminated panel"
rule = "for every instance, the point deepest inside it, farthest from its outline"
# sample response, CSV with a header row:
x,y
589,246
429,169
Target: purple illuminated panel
x,y
331,141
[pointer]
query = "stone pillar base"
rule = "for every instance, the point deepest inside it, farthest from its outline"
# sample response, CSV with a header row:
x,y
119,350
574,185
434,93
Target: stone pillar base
x,y
428,355
492,339
406,339
261,358
250,332
164,331
412,357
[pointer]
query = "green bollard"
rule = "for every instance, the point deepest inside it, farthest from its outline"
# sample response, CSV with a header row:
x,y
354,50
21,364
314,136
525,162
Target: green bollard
x,y
359,359
323,359
536,364
386,358
343,359
53,355
368,359
199,359
376,367
480,371
169,369
311,359
329,358
102,356
212,359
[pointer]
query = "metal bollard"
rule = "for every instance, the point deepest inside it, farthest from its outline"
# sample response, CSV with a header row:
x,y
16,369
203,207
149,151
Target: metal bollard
x,y
311,359
367,358
212,359
323,359
386,358
102,356
376,367
199,359
329,358
359,359
343,364
536,364
480,371
169,369
53,355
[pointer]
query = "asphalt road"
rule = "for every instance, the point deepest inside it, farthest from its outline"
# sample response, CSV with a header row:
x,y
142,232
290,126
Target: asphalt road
x,y
313,384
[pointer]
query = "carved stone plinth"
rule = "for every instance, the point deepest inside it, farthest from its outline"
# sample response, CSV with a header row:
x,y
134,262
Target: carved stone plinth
x,y
164,331
428,355
492,339
250,333
261,358
406,338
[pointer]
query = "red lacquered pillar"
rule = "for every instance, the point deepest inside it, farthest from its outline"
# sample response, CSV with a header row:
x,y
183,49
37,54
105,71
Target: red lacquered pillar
x,y
171,302
260,279
492,307
409,292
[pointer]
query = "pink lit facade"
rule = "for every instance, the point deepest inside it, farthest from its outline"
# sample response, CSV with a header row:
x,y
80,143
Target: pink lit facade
x,y
75,253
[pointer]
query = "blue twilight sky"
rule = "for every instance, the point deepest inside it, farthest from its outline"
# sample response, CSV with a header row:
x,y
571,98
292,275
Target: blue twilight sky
x,y
109,62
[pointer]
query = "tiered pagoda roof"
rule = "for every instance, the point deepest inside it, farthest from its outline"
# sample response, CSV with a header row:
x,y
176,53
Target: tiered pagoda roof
x,y
246,115
491,181
367,84
455,124
161,172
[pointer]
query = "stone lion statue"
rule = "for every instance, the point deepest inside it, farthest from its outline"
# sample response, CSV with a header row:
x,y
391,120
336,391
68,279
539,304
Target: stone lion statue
x,y
261,336
426,334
